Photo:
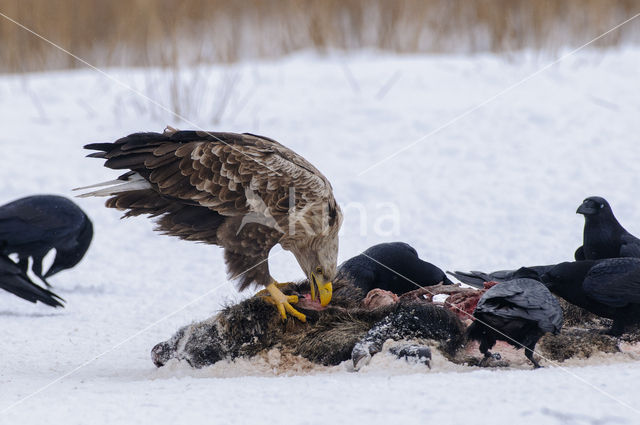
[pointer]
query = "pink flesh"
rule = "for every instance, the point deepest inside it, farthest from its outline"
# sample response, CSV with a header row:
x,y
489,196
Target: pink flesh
x,y
378,298
305,301
489,284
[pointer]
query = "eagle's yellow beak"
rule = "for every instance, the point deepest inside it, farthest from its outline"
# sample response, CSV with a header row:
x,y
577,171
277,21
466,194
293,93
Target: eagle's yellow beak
x,y
320,288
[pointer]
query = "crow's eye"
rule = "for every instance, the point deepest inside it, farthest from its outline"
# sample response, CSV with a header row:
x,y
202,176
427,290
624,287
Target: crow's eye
x,y
602,206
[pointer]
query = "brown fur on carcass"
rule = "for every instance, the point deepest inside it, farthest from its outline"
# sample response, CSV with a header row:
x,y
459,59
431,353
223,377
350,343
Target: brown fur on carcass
x,y
581,336
576,316
253,327
328,338
576,343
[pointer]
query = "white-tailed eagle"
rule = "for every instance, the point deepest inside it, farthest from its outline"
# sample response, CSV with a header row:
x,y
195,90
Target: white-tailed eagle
x,y
243,192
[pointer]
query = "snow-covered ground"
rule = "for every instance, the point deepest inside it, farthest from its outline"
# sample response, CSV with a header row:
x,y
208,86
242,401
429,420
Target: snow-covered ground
x,y
497,188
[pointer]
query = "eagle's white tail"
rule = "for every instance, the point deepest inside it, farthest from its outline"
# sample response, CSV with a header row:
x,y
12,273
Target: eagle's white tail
x,y
133,181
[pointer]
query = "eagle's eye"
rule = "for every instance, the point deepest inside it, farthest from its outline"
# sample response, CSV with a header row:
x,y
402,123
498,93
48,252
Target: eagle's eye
x,y
318,270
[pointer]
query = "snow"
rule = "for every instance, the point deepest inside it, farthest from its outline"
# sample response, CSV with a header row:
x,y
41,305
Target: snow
x,y
440,298
495,189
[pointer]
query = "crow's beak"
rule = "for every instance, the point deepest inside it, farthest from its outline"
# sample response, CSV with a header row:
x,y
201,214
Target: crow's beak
x,y
320,288
586,209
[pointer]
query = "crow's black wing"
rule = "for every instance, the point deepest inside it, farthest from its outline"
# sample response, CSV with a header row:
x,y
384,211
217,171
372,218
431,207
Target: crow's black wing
x,y
14,280
390,249
615,282
524,299
579,254
40,218
477,279
630,246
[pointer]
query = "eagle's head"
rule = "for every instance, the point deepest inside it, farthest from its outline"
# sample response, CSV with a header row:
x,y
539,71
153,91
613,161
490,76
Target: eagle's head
x,y
319,260
317,255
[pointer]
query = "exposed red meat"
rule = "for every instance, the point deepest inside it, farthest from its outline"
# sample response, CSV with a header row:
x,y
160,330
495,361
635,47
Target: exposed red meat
x,y
305,302
489,284
378,298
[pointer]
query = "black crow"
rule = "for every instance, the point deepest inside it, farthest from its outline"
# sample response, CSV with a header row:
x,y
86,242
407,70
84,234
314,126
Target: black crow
x,y
604,237
608,288
519,312
14,280
477,279
392,266
32,226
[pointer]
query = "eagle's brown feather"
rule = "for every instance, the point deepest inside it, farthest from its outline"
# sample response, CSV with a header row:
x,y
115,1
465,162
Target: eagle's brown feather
x,y
207,187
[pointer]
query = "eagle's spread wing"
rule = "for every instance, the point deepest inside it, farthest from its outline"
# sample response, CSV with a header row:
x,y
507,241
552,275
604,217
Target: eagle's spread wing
x,y
215,170
232,190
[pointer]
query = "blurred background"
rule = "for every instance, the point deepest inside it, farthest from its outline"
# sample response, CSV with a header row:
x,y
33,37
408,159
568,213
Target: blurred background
x,y
171,33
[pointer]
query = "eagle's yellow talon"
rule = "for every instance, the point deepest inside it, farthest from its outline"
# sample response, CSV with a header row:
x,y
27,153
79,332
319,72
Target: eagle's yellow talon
x,y
295,313
292,299
283,302
266,293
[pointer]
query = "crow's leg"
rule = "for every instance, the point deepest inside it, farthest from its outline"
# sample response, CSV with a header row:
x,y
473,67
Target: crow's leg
x,y
485,345
36,267
528,352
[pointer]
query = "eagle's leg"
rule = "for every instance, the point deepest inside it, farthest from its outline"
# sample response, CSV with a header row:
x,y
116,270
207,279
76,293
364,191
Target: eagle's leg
x,y
283,302
266,293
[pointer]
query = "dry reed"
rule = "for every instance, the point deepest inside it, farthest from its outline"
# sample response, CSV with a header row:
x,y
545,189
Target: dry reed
x,y
186,32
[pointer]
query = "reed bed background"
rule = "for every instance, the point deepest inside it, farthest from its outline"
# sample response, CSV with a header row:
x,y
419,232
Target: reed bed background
x,y
170,33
